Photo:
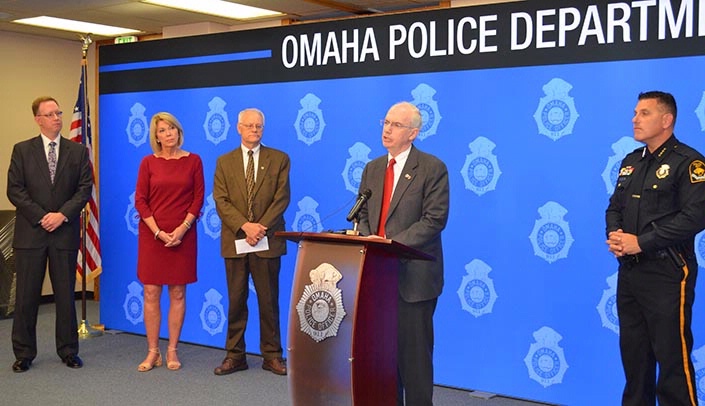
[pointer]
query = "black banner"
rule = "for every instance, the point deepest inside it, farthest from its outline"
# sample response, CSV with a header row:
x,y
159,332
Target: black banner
x,y
479,37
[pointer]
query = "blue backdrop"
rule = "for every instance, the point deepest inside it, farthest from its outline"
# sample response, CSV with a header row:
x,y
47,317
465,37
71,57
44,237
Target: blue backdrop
x,y
528,308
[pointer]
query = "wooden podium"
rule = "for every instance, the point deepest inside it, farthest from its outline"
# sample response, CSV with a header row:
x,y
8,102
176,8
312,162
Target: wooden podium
x,y
342,342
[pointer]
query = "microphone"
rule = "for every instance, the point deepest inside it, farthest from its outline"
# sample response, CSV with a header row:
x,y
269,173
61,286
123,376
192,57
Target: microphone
x,y
361,199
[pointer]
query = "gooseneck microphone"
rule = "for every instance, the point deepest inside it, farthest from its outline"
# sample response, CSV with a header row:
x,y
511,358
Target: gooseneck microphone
x,y
361,199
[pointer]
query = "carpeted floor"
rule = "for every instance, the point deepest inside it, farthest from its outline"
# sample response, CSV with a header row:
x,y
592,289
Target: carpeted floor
x,y
109,376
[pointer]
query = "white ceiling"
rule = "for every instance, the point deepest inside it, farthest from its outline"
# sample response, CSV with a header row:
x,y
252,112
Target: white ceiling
x,y
152,19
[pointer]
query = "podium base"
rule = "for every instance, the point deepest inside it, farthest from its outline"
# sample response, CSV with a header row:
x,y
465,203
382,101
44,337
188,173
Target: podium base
x,y
86,331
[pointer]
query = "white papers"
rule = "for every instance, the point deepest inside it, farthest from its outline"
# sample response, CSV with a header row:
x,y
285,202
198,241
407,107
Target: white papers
x,y
242,247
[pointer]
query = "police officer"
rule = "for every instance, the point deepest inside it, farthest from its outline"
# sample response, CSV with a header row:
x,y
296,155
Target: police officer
x,y
657,208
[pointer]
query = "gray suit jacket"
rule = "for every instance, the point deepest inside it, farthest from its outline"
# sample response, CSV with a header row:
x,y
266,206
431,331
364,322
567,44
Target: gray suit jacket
x,y
272,197
30,190
417,214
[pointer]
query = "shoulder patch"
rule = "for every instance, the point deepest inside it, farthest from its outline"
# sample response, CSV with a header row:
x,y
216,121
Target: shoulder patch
x,y
697,171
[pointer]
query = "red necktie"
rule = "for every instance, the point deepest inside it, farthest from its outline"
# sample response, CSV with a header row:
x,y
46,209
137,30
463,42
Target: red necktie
x,y
386,196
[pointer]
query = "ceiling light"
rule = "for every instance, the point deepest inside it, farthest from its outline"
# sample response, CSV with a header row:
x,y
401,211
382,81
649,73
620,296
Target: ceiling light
x,y
217,8
76,26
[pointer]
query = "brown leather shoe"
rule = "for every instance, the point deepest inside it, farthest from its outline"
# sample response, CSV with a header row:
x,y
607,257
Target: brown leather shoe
x,y
21,365
275,365
231,365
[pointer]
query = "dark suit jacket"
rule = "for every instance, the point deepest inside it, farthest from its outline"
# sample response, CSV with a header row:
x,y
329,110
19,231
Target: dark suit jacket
x,y
29,188
271,198
417,214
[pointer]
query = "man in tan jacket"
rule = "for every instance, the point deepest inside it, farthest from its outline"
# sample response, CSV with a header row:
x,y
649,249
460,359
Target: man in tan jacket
x,y
251,192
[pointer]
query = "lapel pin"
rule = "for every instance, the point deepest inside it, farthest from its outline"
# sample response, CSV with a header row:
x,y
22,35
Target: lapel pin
x,y
407,176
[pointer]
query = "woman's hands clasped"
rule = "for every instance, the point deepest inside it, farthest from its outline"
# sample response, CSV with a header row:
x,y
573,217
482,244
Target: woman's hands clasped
x,y
173,238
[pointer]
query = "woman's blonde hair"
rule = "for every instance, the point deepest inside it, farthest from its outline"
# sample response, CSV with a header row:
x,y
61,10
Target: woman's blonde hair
x,y
171,120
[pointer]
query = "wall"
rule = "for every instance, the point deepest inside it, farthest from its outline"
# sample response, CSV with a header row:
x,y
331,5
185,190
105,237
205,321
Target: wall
x,y
34,66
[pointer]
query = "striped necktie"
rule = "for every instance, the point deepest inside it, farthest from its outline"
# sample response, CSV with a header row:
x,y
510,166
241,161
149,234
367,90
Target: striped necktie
x,y
250,177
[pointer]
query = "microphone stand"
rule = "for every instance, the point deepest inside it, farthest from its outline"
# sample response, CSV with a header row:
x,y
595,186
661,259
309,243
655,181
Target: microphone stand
x,y
355,211
354,231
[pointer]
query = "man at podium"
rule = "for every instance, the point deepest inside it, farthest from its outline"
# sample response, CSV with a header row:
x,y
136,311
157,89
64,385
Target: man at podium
x,y
409,204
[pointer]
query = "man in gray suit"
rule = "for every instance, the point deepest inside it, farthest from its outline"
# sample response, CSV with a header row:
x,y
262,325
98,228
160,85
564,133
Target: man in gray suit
x,y
49,182
409,204
251,200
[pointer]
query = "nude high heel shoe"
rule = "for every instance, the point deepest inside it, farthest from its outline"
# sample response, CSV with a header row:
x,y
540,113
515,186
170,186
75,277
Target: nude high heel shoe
x,y
172,365
146,365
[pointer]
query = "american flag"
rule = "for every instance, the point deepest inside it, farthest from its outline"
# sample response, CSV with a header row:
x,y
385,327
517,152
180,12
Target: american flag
x,y
79,127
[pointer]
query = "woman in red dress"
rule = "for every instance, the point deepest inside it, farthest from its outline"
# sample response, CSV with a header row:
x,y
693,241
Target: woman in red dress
x,y
168,197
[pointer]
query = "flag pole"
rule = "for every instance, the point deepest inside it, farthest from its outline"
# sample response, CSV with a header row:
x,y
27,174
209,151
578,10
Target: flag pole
x,y
84,329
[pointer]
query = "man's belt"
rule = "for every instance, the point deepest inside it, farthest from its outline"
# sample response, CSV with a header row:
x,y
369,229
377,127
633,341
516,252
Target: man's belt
x,y
643,256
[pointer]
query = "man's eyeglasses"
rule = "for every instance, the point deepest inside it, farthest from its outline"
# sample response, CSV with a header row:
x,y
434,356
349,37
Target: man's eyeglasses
x,y
253,126
394,124
51,115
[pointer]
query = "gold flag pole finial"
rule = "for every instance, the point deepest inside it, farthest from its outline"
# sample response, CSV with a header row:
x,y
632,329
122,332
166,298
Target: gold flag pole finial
x,y
87,41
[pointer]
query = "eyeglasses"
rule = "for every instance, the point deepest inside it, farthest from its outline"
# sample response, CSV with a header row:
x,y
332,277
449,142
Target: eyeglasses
x,y
394,124
253,126
54,114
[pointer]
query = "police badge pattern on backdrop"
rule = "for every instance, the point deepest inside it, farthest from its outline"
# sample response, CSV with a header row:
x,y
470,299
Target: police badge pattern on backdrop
x,y
529,104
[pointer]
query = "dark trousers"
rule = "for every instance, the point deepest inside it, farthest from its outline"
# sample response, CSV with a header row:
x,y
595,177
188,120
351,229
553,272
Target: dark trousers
x,y
654,305
30,267
415,352
265,276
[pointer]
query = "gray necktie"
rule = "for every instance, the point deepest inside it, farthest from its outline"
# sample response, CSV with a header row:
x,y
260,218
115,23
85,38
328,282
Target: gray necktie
x,y
52,160
250,177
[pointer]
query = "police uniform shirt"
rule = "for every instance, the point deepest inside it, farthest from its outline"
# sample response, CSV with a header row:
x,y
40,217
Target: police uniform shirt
x,y
666,187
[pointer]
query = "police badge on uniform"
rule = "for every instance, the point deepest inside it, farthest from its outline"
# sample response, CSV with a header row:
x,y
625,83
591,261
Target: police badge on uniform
x,y
132,217
698,357
545,360
476,291
352,173
137,126
320,307
134,303
551,235
556,114
481,170
212,314
430,116
700,112
607,308
620,148
663,171
307,219
216,124
309,123
210,219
